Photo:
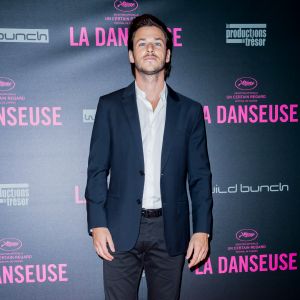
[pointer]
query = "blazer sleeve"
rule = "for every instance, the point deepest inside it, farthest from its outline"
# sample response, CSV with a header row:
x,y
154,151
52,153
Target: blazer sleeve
x,y
199,176
98,168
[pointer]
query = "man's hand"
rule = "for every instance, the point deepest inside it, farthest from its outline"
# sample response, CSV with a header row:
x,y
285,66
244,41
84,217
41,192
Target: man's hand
x,y
101,236
198,243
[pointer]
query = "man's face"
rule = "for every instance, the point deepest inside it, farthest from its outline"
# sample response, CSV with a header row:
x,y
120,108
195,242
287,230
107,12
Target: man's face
x,y
149,50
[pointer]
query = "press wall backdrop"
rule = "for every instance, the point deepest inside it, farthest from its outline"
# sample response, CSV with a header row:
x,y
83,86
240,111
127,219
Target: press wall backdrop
x,y
239,59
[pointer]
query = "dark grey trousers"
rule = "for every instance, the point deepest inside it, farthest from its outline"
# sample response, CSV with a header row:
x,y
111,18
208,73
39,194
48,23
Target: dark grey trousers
x,y
163,272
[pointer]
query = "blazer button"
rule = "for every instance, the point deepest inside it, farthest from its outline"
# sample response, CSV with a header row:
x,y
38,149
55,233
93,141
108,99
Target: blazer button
x,y
142,172
161,174
138,201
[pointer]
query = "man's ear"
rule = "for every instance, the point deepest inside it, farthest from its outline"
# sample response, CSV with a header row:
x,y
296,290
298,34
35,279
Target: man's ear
x,y
130,55
168,56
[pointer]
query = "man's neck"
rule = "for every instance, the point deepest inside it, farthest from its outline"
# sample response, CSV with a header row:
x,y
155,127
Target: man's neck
x,y
152,85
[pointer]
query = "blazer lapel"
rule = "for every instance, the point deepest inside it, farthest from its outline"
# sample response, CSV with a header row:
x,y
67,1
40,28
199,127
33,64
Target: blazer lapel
x,y
170,125
172,111
131,110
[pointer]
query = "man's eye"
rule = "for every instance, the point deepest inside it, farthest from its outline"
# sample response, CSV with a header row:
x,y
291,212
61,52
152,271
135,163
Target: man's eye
x,y
158,44
141,44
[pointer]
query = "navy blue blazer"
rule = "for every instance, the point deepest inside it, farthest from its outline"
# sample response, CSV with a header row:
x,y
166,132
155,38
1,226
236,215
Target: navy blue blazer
x,y
116,150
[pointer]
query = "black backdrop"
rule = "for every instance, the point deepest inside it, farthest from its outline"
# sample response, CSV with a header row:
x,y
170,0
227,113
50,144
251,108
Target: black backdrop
x,y
58,57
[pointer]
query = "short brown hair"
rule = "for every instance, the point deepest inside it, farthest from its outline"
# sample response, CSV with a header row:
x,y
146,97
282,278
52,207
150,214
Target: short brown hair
x,y
150,20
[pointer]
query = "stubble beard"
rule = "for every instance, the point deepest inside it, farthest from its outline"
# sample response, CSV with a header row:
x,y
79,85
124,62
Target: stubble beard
x,y
156,70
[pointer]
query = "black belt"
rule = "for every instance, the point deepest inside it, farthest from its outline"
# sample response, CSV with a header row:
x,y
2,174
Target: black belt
x,y
151,213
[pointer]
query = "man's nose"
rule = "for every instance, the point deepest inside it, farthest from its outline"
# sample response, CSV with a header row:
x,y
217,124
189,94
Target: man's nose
x,y
150,47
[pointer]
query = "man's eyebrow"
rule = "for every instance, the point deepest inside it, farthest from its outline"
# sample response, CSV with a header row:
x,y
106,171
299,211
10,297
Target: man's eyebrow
x,y
157,39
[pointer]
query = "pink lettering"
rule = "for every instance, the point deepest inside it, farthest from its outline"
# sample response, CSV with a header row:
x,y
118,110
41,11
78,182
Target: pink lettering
x,y
125,4
33,273
72,42
246,83
29,274
222,265
111,38
206,114
253,114
13,120
53,275
221,114
22,116
83,39
123,36
41,274
282,259
61,272
56,116
207,268
262,263
257,113
176,37
292,261
293,113
254,265
78,199
262,113
100,32
30,116
20,277
8,275
257,263
233,267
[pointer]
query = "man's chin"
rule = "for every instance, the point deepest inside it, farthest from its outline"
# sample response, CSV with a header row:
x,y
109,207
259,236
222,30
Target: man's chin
x,y
150,71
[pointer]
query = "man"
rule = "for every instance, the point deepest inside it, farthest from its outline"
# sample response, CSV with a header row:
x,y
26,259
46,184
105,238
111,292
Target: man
x,y
150,140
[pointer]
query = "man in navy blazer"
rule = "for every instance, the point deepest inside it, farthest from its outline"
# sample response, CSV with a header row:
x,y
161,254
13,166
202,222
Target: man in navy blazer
x,y
126,235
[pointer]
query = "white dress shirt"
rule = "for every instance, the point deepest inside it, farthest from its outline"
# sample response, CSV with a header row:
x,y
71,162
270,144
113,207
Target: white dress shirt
x,y
152,125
